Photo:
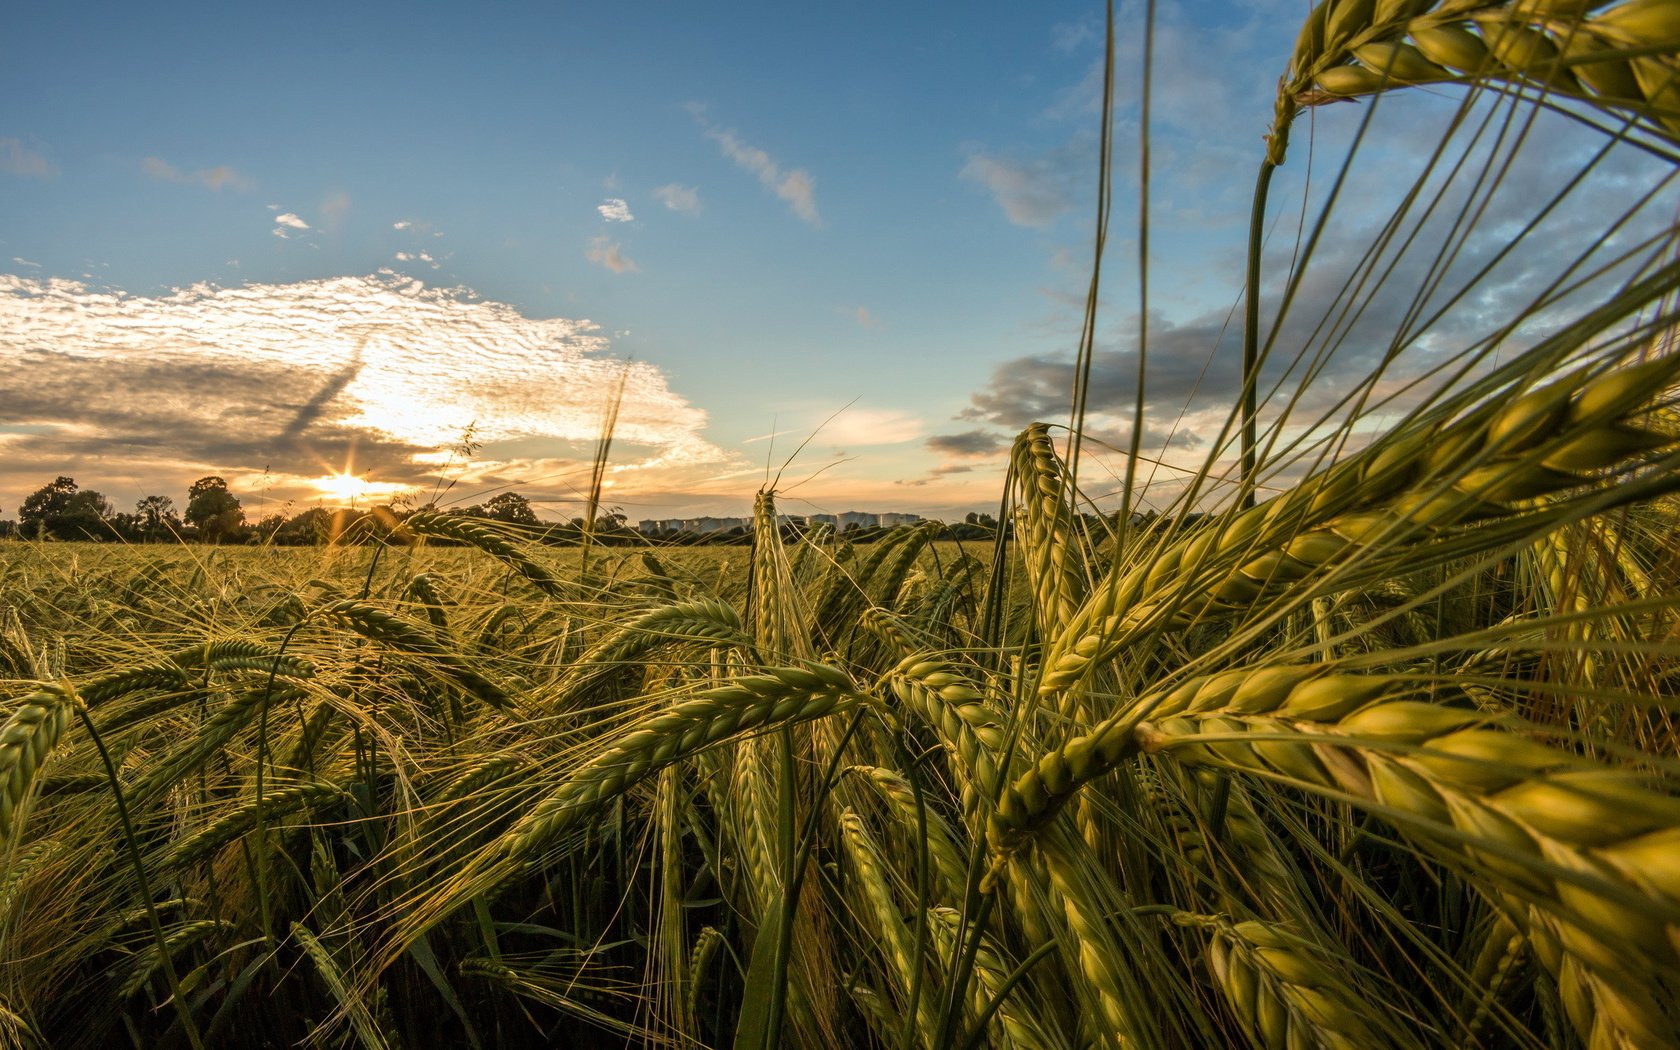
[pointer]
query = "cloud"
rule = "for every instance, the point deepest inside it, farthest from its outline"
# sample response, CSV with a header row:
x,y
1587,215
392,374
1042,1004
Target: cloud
x,y
603,252
401,225
21,261
795,186
425,257
217,178
685,199
614,210
865,319
17,159
968,443
285,222
302,379
856,427
1032,192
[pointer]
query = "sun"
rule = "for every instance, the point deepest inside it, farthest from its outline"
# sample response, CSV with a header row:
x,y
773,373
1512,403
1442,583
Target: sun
x,y
349,488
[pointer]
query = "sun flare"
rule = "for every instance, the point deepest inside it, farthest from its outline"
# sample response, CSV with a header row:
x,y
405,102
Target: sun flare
x,y
349,488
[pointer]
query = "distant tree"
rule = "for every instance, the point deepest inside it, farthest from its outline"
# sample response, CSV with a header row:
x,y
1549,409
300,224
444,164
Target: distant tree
x,y
86,516
43,507
158,519
213,509
313,526
510,507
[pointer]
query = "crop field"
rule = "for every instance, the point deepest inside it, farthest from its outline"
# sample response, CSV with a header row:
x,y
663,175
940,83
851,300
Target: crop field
x,y
1367,741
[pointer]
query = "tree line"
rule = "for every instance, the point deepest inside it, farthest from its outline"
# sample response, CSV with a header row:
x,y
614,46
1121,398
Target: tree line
x,y
63,510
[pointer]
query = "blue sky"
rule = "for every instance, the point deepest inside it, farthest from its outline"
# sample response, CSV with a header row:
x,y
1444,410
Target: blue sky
x,y
217,215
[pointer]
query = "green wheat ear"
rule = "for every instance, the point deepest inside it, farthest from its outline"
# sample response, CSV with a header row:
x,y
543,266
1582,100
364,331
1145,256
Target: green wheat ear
x,y
28,736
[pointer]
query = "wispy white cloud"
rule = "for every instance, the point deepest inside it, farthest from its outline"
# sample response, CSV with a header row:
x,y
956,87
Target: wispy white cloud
x,y
676,197
18,159
795,185
218,178
608,253
21,261
614,210
285,223
1030,192
401,225
865,319
858,426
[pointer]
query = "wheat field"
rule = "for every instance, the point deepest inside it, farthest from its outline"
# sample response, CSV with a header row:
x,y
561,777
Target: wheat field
x,y
1365,736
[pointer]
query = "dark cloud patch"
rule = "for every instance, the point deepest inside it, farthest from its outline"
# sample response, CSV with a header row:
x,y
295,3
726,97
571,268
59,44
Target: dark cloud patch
x,y
312,409
975,442
205,412
1400,312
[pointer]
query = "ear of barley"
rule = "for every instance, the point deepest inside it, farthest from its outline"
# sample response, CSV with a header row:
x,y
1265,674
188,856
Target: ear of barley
x,y
870,884
938,693
242,655
1563,846
1096,952
179,937
117,684
344,988
240,819
777,696
1050,547
423,591
780,622
1307,690
26,739
1503,949
706,620
706,947
1407,491
1287,992
234,713
487,539
1021,1023
1622,58
852,588
949,863
407,637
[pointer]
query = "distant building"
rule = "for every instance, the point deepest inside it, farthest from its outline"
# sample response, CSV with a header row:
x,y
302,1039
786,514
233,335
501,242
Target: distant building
x,y
839,522
697,526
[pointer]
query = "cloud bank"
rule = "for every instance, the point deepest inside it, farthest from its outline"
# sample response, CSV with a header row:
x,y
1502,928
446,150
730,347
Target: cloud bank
x,y
377,374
